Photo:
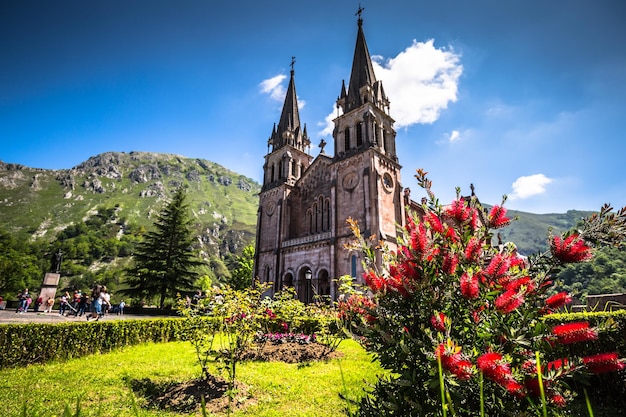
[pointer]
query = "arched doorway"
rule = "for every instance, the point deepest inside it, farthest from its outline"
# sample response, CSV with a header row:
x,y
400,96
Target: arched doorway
x,y
323,284
306,289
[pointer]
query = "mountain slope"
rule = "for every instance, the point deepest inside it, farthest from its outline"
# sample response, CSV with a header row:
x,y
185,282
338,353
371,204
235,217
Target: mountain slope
x,y
40,203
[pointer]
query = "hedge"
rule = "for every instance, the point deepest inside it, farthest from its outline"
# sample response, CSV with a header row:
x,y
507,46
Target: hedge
x,y
24,344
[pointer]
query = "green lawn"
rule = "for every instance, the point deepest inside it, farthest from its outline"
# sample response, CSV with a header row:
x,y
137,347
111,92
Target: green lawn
x,y
277,389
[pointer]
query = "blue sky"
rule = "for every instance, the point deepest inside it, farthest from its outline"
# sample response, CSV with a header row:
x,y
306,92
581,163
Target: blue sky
x,y
524,98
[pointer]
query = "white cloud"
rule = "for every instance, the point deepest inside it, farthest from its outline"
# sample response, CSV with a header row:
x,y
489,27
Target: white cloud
x,y
528,186
421,81
274,87
454,136
328,121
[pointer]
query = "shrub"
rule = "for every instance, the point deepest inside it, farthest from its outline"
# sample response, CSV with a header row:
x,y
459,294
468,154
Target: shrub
x,y
459,323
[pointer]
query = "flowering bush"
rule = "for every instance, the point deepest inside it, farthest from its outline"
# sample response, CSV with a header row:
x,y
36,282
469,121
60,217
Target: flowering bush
x,y
459,323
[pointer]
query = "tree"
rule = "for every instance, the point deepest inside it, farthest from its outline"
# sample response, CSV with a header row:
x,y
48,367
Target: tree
x,y
164,261
241,276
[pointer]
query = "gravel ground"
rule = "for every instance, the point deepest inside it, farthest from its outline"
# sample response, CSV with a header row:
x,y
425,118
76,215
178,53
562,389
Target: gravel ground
x,y
10,316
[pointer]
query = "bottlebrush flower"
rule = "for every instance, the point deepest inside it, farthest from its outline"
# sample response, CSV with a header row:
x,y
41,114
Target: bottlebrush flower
x,y
558,300
509,301
469,286
498,266
450,262
452,360
438,321
435,222
558,400
497,217
419,240
493,366
517,284
374,281
473,250
570,250
574,332
459,210
603,362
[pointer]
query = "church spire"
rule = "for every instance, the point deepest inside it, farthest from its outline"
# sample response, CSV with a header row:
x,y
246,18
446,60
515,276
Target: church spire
x,y
288,131
362,70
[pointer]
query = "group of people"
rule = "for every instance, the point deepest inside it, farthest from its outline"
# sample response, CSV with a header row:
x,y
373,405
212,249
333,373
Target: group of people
x,y
94,305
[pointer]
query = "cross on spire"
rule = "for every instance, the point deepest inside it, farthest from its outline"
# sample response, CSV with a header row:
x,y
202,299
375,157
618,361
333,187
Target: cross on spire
x,y
359,12
293,62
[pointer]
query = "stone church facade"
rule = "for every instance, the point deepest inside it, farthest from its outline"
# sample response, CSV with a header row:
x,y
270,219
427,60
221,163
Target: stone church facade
x,y
305,201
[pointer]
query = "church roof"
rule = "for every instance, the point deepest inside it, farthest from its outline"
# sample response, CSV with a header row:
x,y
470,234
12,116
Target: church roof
x,y
290,116
362,70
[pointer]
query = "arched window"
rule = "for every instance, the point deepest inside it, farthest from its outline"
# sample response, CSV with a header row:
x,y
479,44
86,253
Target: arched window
x,y
359,134
273,169
377,137
309,215
353,266
322,213
327,209
346,139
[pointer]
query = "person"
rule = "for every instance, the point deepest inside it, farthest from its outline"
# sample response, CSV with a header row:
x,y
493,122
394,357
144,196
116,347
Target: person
x,y
63,304
106,300
96,302
38,303
23,301
1,304
82,304
49,305
120,308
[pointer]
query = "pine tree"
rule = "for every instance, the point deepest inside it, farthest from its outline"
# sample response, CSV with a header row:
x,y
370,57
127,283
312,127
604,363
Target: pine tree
x,y
164,261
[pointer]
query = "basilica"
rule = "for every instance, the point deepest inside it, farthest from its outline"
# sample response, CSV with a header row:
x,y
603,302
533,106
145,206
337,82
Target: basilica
x,y
305,201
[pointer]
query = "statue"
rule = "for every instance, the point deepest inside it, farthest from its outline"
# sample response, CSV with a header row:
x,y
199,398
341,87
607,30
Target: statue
x,y
57,258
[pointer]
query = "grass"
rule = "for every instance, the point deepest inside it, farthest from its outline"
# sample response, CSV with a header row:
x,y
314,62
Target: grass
x,y
97,382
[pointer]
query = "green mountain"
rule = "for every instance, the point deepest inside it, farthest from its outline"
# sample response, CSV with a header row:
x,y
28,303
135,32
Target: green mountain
x,y
40,203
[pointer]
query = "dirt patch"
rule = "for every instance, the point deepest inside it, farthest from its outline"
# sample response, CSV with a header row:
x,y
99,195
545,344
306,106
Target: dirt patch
x,y
185,397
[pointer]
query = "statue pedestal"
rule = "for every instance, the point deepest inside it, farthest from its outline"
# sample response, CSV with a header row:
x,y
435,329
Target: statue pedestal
x,y
49,287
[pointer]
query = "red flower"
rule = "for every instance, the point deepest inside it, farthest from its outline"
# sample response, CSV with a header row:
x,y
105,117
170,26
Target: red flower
x,y
558,300
418,238
497,217
557,364
495,368
570,250
438,321
473,250
452,361
603,362
574,332
517,284
459,210
558,400
469,286
509,301
498,266
450,262
375,282
435,222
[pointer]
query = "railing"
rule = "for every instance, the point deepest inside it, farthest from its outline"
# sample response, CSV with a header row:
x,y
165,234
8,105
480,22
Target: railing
x,y
307,239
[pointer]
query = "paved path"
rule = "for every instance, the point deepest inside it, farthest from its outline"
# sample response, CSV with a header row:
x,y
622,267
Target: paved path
x,y
10,316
